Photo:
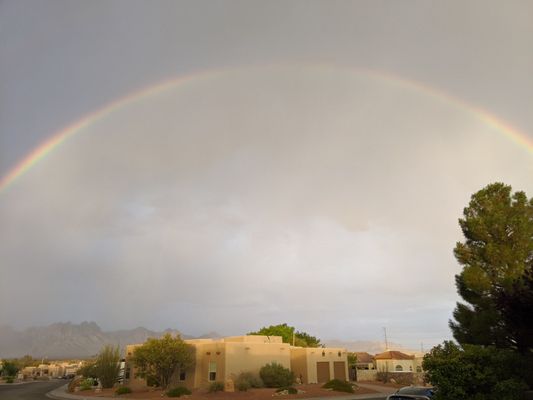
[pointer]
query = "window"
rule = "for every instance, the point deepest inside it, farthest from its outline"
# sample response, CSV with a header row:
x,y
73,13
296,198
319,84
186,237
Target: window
x,y
399,368
182,376
323,353
212,371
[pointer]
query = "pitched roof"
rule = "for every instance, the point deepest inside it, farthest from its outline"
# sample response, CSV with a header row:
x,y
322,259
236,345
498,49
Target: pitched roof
x,y
363,357
393,355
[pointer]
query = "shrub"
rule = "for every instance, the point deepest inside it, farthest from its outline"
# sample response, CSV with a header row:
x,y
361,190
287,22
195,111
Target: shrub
x,y
289,390
122,390
247,380
87,384
216,387
275,375
339,386
178,391
9,379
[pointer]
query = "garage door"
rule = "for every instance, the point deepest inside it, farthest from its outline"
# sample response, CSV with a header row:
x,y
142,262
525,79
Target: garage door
x,y
322,371
339,370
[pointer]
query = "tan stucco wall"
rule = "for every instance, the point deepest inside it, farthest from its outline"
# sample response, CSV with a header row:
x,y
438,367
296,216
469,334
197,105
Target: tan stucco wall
x,y
390,365
306,359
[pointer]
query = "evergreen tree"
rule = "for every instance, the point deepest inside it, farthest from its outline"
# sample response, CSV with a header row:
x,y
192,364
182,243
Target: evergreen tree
x,y
497,278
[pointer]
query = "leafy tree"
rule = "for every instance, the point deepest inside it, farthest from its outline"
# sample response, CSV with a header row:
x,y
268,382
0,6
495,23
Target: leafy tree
x,y
497,278
288,334
474,372
9,368
159,359
107,366
88,370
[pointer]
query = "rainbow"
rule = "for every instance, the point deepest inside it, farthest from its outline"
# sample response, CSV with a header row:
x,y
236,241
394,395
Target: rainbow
x,y
58,138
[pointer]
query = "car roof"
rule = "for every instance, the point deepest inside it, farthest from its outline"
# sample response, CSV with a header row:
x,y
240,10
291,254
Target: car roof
x,y
415,390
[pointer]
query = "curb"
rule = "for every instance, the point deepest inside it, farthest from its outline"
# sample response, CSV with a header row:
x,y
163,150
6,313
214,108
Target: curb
x,y
60,393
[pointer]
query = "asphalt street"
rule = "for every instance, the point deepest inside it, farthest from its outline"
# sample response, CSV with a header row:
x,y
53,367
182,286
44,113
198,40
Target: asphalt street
x,y
29,391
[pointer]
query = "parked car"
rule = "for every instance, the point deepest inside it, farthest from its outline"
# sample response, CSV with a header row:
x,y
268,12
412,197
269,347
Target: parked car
x,y
413,393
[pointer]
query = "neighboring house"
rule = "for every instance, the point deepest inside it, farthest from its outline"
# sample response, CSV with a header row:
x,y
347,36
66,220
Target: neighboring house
x,y
365,361
395,361
220,360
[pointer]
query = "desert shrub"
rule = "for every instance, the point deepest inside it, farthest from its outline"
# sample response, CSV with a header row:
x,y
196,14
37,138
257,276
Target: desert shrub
x,y
178,391
247,380
122,390
216,387
289,390
9,379
402,378
87,384
339,386
275,375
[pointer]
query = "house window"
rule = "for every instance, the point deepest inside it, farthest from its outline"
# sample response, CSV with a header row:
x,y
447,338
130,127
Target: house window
x,y
323,354
399,368
212,371
182,376
339,353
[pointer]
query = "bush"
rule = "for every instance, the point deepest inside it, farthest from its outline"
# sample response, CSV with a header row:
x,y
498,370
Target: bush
x,y
339,386
216,387
474,372
178,391
289,390
276,376
9,379
123,390
247,380
87,384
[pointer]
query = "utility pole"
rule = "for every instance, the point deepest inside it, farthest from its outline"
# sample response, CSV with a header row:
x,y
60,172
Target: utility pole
x,y
386,341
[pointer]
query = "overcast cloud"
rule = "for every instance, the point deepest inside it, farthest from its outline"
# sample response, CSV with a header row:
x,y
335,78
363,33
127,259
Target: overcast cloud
x,y
288,186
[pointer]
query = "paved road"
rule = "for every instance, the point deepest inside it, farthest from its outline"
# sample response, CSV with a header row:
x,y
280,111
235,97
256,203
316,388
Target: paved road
x,y
29,391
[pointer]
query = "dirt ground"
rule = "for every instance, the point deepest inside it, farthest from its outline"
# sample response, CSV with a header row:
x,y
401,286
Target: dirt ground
x,y
311,390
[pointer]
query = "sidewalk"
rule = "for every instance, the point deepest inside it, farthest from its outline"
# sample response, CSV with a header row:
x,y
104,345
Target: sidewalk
x,y
61,394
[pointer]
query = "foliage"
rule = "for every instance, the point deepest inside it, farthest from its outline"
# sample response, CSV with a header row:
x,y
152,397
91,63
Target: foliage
x,y
178,392
107,366
159,359
26,361
474,372
216,387
352,359
9,368
88,370
122,390
289,390
247,380
275,375
9,379
339,386
289,334
87,384
496,282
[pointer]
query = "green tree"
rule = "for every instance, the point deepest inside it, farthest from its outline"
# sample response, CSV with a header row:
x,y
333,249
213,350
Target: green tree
x,y
88,369
107,366
159,359
474,372
9,368
289,334
497,278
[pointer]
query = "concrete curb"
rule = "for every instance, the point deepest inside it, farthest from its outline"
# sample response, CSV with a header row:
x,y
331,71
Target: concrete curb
x,y
61,394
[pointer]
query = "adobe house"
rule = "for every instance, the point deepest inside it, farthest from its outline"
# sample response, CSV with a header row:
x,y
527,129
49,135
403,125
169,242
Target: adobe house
x,y
219,360
395,361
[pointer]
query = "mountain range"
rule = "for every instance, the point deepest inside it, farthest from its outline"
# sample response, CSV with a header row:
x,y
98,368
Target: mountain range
x,y
63,340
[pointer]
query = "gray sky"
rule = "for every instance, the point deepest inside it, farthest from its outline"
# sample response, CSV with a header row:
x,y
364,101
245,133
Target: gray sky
x,y
296,177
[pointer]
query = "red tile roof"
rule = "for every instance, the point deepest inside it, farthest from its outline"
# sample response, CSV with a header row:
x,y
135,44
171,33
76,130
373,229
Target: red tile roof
x,y
393,355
